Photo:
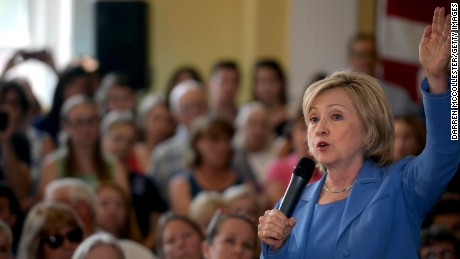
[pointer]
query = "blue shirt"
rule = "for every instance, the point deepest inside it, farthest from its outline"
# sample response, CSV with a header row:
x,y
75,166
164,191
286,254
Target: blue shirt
x,y
324,228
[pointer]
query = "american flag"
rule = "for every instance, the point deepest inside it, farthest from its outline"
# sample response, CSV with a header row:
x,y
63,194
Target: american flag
x,y
400,26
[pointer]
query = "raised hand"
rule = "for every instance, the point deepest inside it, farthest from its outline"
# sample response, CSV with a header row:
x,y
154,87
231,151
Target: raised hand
x,y
275,228
434,51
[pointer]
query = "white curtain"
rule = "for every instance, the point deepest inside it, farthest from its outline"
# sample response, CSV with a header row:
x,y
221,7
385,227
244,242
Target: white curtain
x,y
34,25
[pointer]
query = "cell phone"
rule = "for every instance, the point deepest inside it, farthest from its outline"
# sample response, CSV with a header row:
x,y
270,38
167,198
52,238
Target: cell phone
x,y
3,120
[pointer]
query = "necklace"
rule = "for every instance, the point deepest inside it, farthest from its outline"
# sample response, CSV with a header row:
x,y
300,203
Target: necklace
x,y
336,191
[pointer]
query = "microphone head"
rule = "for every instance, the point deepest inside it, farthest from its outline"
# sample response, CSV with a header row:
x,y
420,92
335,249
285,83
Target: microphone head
x,y
304,168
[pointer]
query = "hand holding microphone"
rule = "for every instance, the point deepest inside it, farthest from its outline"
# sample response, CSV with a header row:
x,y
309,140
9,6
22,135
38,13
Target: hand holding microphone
x,y
275,226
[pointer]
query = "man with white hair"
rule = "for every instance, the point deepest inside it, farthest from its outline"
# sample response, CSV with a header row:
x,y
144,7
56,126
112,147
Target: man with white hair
x,y
78,195
188,102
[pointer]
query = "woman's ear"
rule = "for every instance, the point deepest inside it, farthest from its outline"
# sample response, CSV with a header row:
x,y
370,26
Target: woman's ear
x,y
205,249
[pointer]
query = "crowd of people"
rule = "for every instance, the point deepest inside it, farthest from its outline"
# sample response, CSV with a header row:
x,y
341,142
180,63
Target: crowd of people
x,y
107,172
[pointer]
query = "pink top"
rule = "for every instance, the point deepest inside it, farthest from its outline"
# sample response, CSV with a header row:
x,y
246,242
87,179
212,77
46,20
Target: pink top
x,y
281,170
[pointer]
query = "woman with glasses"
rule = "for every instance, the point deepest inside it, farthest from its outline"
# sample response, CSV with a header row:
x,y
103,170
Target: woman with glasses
x,y
51,231
231,235
82,157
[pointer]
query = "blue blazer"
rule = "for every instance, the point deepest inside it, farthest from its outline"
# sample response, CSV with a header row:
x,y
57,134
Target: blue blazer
x,y
386,206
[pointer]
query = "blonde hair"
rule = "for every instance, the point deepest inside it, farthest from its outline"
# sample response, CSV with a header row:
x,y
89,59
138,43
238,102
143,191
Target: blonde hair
x,y
44,219
372,108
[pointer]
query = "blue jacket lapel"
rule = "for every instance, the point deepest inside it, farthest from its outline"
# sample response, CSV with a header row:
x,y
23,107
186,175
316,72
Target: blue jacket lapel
x,y
363,191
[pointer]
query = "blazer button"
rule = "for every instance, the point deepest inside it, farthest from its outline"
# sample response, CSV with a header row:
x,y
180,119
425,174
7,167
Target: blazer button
x,y
346,253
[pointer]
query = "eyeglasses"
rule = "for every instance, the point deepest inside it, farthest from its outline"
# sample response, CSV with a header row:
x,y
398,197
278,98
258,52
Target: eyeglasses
x,y
55,241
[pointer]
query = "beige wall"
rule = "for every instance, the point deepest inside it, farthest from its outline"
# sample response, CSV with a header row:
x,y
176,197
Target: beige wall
x,y
199,32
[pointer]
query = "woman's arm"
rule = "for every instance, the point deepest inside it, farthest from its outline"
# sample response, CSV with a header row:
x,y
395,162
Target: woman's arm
x,y
179,195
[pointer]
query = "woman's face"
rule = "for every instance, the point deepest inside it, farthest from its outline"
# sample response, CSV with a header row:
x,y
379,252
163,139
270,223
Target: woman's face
x,y
62,243
405,141
120,98
235,239
111,211
181,241
257,130
299,138
103,251
82,125
267,86
159,123
335,131
120,140
78,86
215,151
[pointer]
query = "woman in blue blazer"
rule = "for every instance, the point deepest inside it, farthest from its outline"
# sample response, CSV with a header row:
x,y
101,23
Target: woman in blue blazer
x,y
365,207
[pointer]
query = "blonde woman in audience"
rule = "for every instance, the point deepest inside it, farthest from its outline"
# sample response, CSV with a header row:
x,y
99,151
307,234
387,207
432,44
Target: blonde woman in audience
x,y
82,156
157,124
51,231
179,237
203,207
99,246
6,241
231,235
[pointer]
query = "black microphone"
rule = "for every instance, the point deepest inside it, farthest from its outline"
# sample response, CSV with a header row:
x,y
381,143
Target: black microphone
x,y
301,175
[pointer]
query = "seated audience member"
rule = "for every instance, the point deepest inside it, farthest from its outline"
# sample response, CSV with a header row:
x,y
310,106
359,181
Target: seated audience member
x,y
410,137
119,136
231,235
224,84
77,195
270,88
116,93
254,142
82,156
210,169
178,237
203,207
6,241
446,213
243,199
362,57
11,213
15,102
51,230
114,214
438,242
280,171
187,102
98,246
157,124
72,81
180,75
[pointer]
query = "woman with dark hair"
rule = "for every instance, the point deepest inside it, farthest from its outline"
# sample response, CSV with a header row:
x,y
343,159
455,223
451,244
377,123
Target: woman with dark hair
x,y
72,81
211,167
182,74
14,101
270,88
82,156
